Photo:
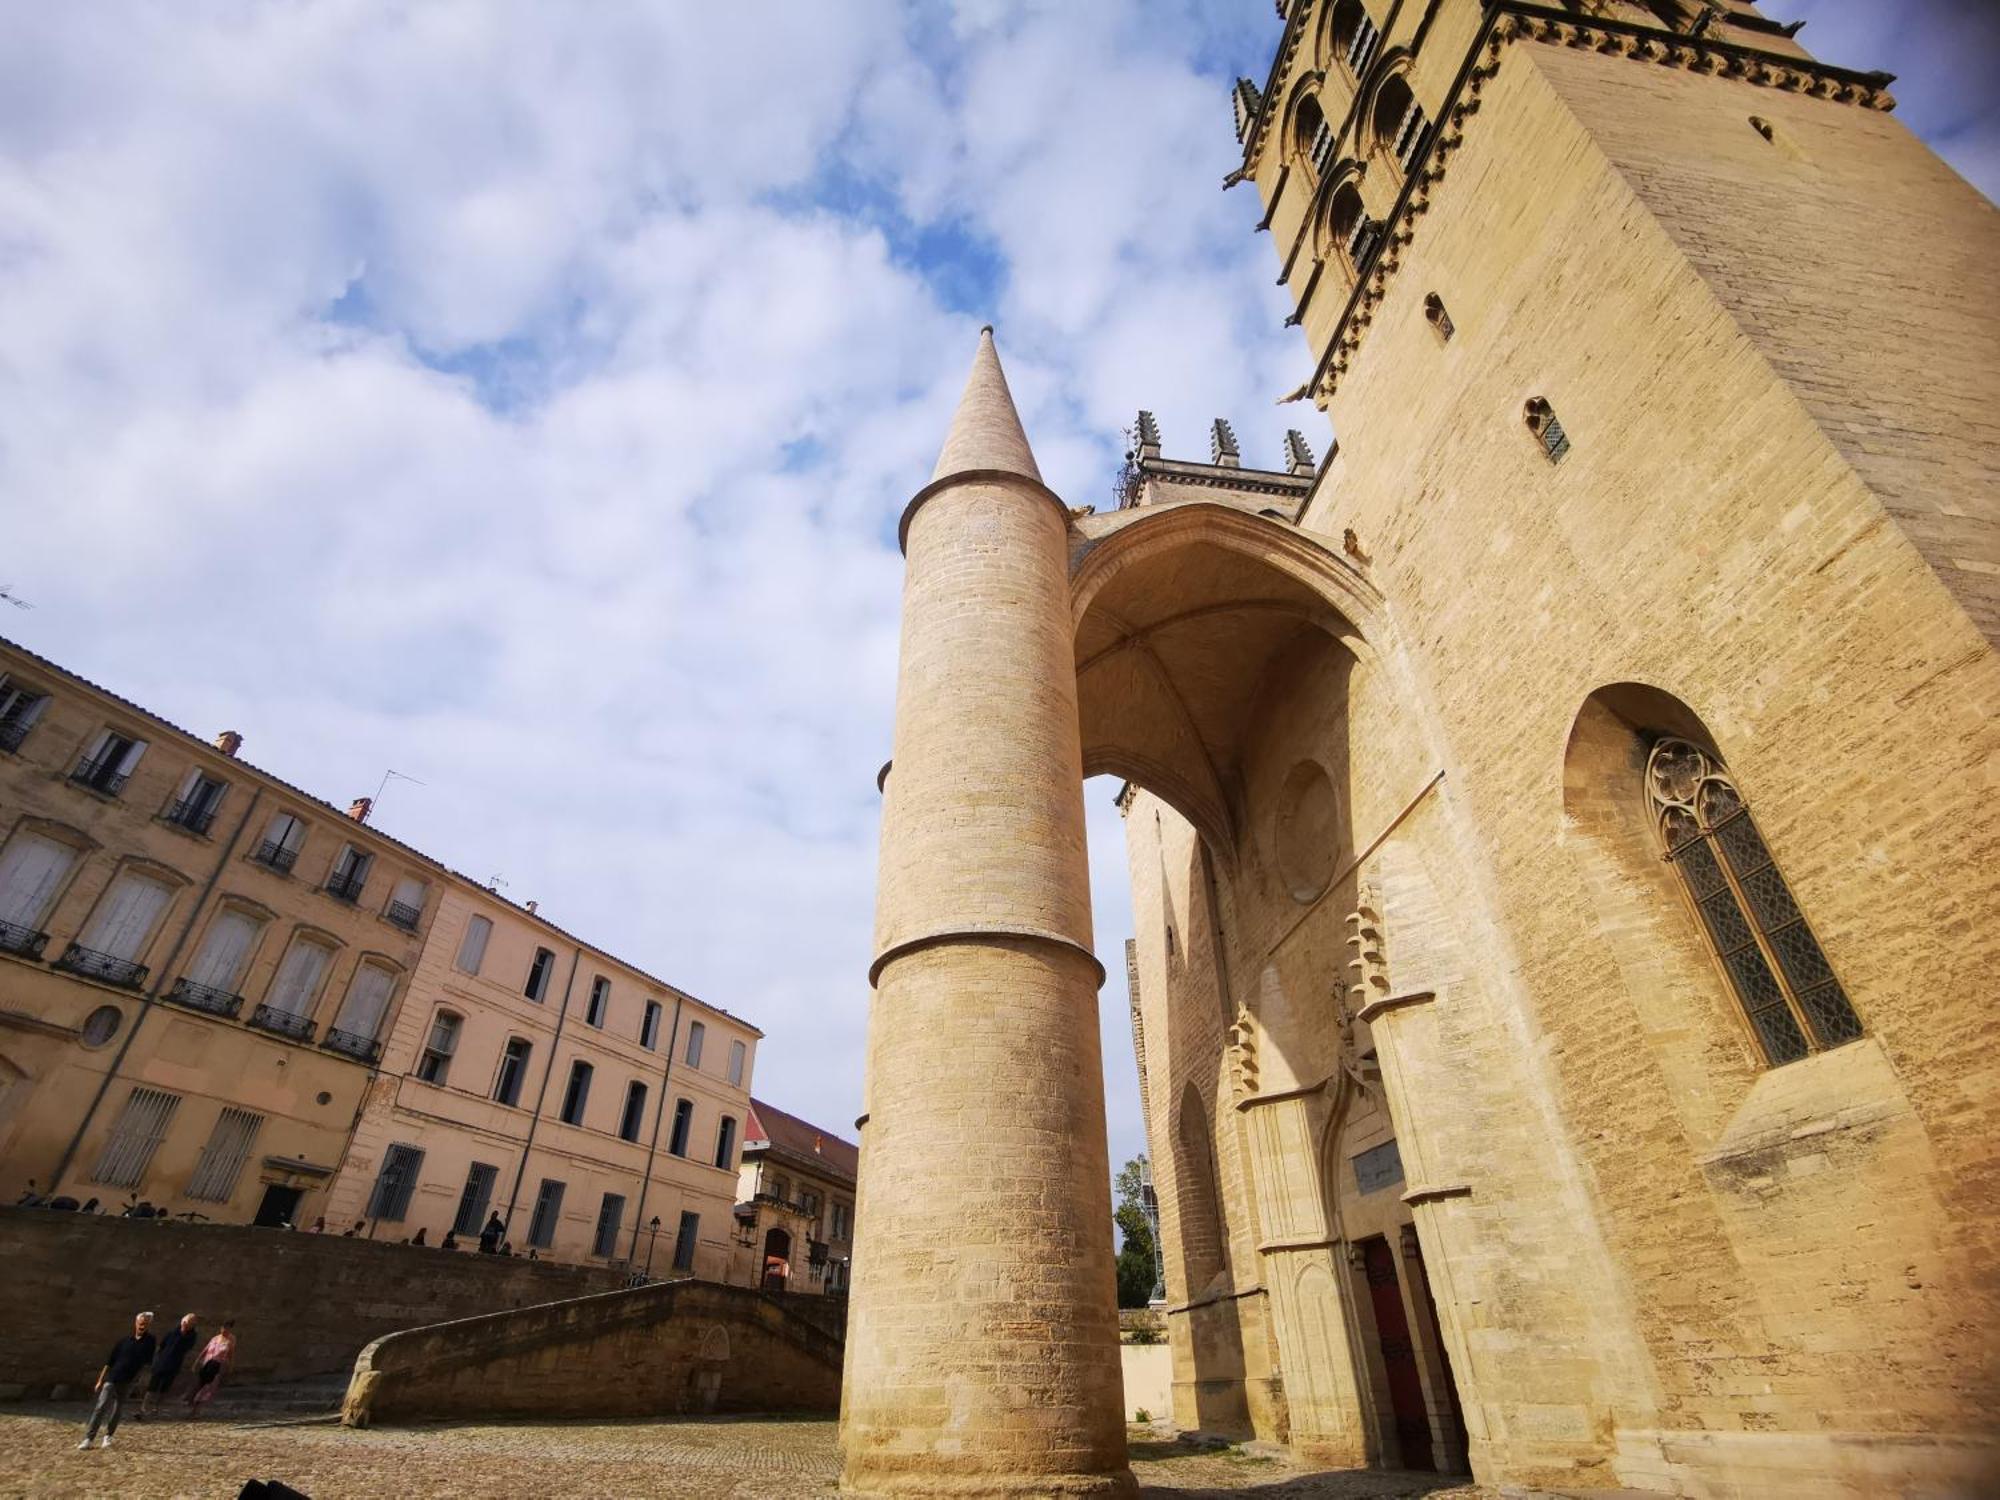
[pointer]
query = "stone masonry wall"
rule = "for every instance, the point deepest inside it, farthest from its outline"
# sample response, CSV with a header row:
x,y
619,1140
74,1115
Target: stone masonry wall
x,y
304,1304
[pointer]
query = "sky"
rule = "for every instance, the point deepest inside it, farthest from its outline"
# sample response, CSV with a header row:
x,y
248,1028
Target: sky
x,y
522,398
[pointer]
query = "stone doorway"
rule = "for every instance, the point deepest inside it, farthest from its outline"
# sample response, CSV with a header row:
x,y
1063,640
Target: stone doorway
x,y
278,1207
1398,1350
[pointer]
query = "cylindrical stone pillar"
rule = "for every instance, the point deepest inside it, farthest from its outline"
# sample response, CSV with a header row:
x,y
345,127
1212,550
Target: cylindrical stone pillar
x,y
982,1341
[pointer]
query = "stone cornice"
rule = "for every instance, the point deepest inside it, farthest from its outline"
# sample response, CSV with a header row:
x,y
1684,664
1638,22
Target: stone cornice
x,y
1514,22
1219,477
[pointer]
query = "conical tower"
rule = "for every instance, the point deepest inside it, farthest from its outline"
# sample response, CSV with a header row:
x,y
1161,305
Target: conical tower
x,y
982,1347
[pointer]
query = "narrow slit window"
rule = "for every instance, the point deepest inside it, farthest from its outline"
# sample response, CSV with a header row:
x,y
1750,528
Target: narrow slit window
x,y
1438,318
1548,429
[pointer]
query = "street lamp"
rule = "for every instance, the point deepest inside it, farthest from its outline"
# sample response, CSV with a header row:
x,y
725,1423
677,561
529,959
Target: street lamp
x,y
652,1238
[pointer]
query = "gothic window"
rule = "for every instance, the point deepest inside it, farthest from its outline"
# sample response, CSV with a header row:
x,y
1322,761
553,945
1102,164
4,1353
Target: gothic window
x,y
1774,963
1353,230
1356,35
1548,430
1312,136
1438,318
1400,122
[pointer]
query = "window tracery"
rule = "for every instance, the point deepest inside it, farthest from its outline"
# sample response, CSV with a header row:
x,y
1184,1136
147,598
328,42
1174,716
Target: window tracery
x,y
1774,963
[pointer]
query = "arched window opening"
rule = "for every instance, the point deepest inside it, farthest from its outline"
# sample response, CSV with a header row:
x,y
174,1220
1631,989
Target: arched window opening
x,y
1353,231
1774,963
634,1113
1197,1194
1547,428
1356,36
1312,136
1438,318
576,1096
1400,122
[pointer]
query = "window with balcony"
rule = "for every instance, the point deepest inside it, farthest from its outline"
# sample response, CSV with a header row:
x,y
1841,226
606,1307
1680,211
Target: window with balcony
x,y
20,706
33,871
649,1029
576,1094
288,1004
677,1141
109,762
434,1062
610,1215
395,1184
349,874
513,1070
194,807
548,1212
738,1056
725,1143
119,930
472,947
697,1034
359,1020
279,847
537,987
406,903
600,1002
214,980
634,1113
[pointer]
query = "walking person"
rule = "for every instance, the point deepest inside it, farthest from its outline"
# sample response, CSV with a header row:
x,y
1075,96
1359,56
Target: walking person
x,y
129,1356
216,1358
174,1351
492,1234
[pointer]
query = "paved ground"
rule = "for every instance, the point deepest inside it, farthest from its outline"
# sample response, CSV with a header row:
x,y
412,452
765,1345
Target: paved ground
x,y
741,1460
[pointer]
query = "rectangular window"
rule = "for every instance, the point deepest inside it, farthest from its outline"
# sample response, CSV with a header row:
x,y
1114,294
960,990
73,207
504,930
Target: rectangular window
x,y
225,951
434,1063
366,1003
32,872
1378,1167
135,1136
472,947
475,1199
843,1221
20,706
677,1143
610,1214
350,874
109,763
577,1095
513,1070
649,1029
406,903
283,837
635,1111
697,1033
537,987
738,1055
600,1002
684,1241
548,1209
124,920
297,985
725,1143
395,1184
199,800
222,1159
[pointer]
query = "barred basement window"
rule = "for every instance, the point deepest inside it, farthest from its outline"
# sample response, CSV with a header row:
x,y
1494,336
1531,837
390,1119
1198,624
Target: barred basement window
x,y
1774,962
1438,318
1542,422
395,1184
221,1164
140,1127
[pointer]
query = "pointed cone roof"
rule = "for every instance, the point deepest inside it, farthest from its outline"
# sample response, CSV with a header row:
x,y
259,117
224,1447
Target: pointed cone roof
x,y
986,433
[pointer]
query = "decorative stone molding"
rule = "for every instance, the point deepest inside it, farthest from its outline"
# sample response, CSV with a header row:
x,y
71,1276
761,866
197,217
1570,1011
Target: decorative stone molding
x,y
1243,1053
1416,1197
1304,1091
1386,1003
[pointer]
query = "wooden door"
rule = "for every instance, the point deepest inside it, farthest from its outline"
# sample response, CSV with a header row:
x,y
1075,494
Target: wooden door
x,y
1399,1355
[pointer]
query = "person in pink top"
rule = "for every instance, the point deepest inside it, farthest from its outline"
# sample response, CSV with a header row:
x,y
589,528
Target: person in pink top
x,y
216,1357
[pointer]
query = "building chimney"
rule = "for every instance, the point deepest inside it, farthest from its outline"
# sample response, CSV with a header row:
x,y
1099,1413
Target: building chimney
x,y
531,906
229,742
359,807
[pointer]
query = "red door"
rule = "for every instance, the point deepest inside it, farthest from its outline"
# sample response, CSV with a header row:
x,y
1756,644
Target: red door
x,y
1399,1356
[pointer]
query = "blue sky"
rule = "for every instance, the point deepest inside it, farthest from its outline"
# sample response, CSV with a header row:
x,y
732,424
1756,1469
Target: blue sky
x,y
522,397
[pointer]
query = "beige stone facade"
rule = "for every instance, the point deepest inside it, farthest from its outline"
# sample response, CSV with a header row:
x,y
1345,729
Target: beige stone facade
x,y
223,997
1562,825
795,1204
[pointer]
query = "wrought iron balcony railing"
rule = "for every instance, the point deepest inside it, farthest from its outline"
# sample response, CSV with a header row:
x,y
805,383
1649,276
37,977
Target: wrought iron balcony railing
x,y
346,887
105,966
276,855
351,1044
25,941
281,1023
100,775
404,915
192,813
204,997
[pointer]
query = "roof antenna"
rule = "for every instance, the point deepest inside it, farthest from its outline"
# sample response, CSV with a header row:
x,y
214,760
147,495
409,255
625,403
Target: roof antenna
x,y
376,801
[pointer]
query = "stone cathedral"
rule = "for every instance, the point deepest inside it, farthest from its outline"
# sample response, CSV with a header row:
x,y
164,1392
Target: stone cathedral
x,y
1564,822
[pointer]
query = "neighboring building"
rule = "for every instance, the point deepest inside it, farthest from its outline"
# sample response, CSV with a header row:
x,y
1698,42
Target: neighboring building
x,y
795,1203
222,996
1562,830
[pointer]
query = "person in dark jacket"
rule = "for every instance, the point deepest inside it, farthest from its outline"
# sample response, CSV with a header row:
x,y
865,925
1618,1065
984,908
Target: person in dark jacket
x,y
129,1356
174,1350
491,1235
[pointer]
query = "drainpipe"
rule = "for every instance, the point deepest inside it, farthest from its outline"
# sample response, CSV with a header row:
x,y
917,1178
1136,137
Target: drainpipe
x,y
152,994
646,1182
534,1120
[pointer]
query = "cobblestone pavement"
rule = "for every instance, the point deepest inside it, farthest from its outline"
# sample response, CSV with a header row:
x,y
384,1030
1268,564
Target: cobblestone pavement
x,y
746,1459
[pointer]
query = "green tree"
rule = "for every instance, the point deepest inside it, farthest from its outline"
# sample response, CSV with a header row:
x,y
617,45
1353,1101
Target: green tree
x,y
1136,1255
